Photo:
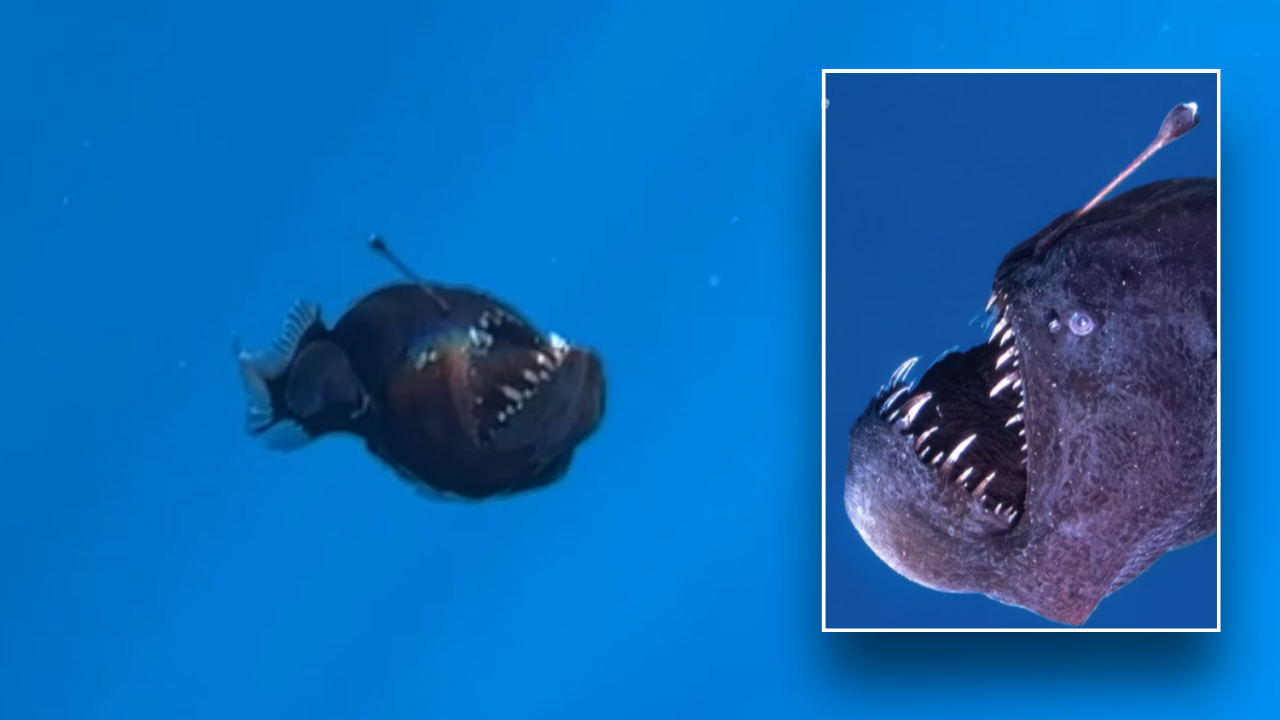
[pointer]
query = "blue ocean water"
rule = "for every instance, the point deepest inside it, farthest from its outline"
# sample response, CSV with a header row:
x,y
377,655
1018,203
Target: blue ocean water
x,y
931,179
643,177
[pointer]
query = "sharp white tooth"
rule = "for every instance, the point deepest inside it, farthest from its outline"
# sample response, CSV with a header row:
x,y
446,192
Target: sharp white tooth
x,y
1005,382
937,458
913,408
558,344
964,475
1004,358
1005,337
1022,432
925,436
1001,325
999,507
511,393
959,450
1024,448
1014,420
1017,383
1013,515
892,399
901,373
530,376
991,302
925,455
982,486
1022,404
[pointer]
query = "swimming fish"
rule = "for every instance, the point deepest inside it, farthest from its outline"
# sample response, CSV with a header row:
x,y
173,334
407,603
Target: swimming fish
x,y
452,388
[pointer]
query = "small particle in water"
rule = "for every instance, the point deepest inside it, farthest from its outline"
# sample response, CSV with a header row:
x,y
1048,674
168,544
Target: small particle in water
x,y
713,281
552,260
825,103
733,220
182,364
66,199
85,143
1165,28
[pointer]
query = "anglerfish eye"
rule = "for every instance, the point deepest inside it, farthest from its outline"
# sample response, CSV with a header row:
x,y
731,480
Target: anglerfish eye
x,y
1081,323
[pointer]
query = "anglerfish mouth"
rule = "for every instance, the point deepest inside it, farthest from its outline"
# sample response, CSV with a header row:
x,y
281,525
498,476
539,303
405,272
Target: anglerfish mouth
x,y
965,418
512,370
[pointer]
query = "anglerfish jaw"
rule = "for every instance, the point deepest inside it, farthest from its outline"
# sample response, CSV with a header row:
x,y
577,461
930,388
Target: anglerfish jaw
x,y
965,421
938,466
938,482
514,386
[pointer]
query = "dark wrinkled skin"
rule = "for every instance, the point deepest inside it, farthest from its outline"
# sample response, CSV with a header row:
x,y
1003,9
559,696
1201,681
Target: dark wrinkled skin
x,y
1121,423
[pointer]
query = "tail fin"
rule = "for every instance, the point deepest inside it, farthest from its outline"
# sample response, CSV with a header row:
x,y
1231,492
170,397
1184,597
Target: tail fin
x,y
303,386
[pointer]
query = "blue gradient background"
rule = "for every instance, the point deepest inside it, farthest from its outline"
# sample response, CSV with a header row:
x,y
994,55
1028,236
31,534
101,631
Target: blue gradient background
x,y
158,565
931,179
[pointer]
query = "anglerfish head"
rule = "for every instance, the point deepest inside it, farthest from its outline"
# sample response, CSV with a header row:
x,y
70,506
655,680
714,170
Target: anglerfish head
x,y
1049,465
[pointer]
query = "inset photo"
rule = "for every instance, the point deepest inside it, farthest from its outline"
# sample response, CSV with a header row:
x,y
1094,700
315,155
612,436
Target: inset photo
x,y
1021,350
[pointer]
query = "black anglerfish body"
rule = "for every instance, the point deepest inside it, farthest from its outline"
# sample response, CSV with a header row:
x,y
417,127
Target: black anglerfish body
x,y
1048,466
451,387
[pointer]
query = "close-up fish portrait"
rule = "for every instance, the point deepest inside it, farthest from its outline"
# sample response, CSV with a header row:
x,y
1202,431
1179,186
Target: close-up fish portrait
x,y
452,388
1059,465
